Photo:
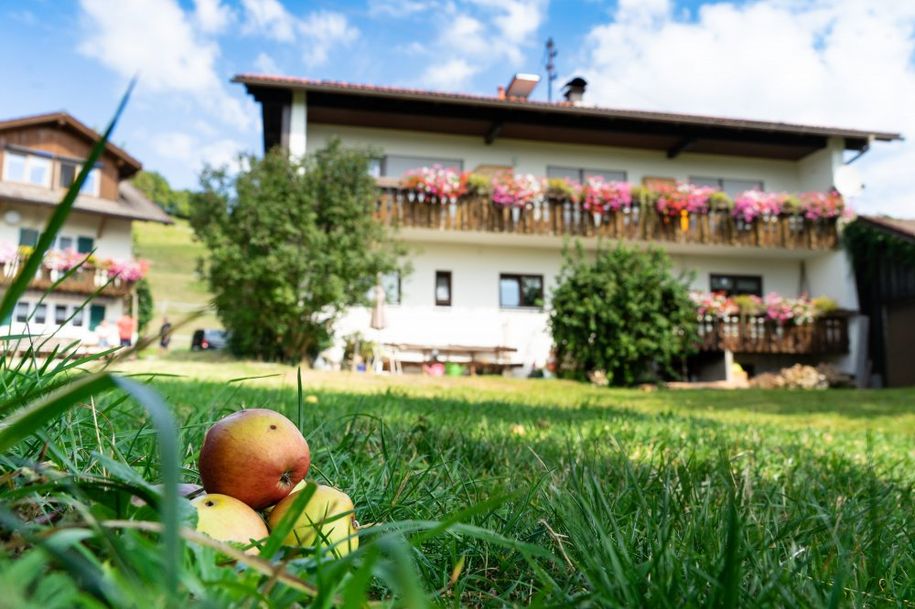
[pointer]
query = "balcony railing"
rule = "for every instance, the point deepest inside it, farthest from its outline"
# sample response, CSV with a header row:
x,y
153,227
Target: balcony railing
x,y
826,335
84,280
405,209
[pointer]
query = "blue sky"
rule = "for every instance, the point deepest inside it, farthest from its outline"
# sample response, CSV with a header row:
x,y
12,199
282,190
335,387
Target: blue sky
x,y
838,62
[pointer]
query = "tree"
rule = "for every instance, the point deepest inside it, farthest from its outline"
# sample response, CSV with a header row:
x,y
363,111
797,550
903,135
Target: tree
x,y
144,304
622,313
291,244
157,189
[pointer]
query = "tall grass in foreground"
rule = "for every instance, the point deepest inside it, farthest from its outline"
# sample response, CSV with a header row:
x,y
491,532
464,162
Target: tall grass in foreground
x,y
484,503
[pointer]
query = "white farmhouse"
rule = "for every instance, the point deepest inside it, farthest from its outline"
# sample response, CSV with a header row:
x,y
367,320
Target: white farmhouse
x,y
483,272
40,157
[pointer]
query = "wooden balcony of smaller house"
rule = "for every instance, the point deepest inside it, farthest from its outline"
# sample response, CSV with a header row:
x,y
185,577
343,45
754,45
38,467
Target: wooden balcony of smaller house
x,y
824,335
407,209
86,279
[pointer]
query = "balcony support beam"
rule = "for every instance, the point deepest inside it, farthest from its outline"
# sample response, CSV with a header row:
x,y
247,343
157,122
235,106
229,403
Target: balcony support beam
x,y
682,146
494,130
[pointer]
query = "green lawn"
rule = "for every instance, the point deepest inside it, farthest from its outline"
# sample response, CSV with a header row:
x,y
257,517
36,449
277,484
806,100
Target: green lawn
x,y
177,290
552,493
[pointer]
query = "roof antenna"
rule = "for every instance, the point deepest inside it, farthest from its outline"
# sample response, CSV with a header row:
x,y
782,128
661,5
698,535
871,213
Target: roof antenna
x,y
550,56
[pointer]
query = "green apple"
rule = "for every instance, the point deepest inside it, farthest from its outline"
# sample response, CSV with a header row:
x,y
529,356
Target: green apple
x,y
328,520
227,519
256,456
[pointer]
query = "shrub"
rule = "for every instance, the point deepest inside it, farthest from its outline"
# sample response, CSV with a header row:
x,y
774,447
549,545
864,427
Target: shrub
x,y
291,243
623,313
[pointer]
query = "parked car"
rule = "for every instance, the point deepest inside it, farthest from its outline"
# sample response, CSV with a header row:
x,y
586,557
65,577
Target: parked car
x,y
205,340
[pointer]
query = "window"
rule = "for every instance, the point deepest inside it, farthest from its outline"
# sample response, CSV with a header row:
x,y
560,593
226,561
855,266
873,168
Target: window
x,y
65,243
390,282
68,171
731,187
96,315
91,185
579,175
14,166
60,314
77,320
28,236
84,245
28,168
395,165
732,285
41,313
375,167
22,311
443,288
520,291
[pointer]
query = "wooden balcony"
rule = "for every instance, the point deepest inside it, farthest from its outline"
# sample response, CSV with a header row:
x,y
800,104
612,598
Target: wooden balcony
x,y
827,335
396,207
85,280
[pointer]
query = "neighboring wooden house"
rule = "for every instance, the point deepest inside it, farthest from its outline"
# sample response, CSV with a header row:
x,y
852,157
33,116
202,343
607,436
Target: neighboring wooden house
x,y
883,251
482,272
40,157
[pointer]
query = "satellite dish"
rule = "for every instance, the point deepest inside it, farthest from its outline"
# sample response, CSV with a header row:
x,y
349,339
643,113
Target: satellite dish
x,y
847,181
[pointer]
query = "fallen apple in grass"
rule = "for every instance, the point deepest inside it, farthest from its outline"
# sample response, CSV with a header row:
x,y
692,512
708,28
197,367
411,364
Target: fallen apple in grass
x,y
327,521
256,456
227,519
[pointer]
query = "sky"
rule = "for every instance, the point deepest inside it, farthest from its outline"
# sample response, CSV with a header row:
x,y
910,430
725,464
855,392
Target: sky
x,y
848,63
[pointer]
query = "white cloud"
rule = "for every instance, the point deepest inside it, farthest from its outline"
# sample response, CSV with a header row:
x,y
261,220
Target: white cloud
x,y
324,31
269,18
452,75
479,34
265,64
845,63
155,40
194,152
318,33
211,16
399,8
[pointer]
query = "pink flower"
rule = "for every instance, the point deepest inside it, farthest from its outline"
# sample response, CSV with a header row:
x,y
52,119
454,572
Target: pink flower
x,y
516,190
63,260
437,181
820,205
754,203
672,201
127,270
600,195
8,252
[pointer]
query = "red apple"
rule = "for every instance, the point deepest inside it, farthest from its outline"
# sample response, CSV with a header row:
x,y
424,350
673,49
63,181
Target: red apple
x,y
256,456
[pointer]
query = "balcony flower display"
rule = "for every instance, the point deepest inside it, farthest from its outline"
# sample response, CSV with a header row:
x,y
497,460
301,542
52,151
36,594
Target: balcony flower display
x,y
8,252
752,204
600,195
63,260
516,190
683,199
127,270
562,189
714,304
439,182
822,205
776,308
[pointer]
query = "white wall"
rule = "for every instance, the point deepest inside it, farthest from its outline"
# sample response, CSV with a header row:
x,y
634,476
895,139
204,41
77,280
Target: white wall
x,y
533,157
112,235
475,317
114,308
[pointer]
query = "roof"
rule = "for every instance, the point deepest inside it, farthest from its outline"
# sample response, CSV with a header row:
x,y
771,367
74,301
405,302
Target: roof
x,y
131,203
67,120
901,227
253,81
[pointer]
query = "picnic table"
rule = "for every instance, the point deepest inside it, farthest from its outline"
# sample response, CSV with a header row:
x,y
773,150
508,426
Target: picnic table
x,y
472,355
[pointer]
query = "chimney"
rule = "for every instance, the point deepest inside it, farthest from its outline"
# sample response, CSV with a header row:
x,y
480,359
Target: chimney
x,y
500,92
574,90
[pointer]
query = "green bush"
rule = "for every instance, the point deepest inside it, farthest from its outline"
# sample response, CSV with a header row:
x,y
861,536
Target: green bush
x,y
291,243
622,313
145,304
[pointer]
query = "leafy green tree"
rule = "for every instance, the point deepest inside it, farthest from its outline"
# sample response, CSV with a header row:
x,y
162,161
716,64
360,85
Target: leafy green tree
x,y
144,304
157,189
623,313
291,244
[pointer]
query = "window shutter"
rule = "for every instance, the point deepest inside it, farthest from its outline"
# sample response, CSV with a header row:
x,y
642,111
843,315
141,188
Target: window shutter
x,y
84,245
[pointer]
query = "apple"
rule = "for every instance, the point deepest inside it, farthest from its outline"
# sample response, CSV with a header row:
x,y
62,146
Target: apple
x,y
225,518
254,455
328,511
